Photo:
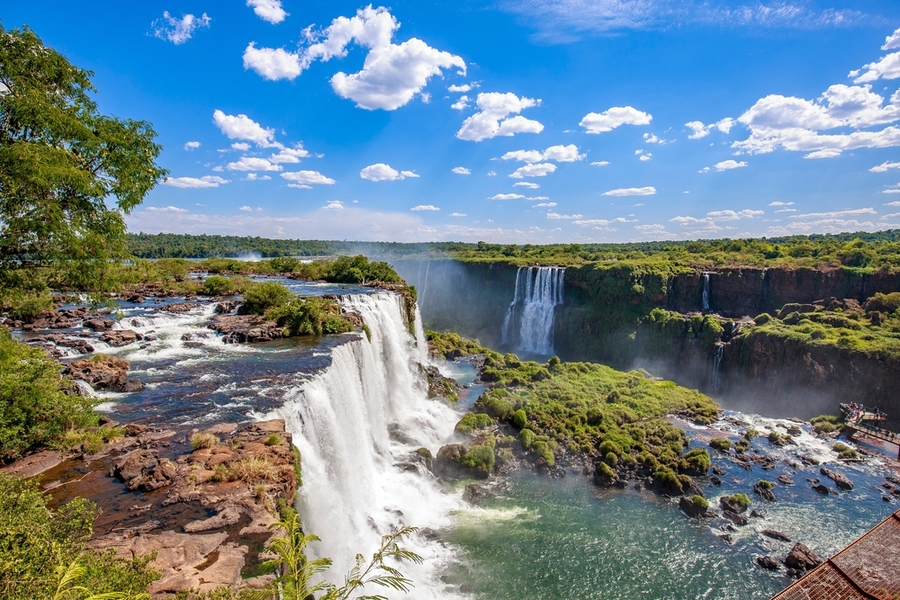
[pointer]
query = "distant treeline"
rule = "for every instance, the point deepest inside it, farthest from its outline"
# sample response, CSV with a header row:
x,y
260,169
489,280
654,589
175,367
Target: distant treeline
x,y
860,249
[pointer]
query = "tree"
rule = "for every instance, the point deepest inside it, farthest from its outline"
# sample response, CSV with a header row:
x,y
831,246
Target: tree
x,y
68,174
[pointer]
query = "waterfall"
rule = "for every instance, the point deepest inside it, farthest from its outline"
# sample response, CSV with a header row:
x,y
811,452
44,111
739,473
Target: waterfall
x,y
357,425
715,368
528,325
706,291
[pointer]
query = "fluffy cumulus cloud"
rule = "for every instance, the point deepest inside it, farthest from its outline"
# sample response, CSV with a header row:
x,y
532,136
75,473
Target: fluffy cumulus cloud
x,y
820,127
602,223
493,117
613,118
425,207
289,155
831,222
268,10
392,74
178,31
209,181
556,216
556,153
888,67
307,178
641,191
507,197
885,167
461,104
384,172
725,165
191,146
533,170
461,171
242,127
527,184
699,130
252,163
710,223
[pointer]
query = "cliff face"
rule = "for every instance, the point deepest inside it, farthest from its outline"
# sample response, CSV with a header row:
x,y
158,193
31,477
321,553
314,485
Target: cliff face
x,y
608,316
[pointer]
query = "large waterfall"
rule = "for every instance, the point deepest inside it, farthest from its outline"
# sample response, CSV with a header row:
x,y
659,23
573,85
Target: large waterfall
x,y
358,424
528,325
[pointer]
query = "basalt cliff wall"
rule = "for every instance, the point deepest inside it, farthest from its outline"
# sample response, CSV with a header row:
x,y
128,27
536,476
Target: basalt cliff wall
x,y
608,316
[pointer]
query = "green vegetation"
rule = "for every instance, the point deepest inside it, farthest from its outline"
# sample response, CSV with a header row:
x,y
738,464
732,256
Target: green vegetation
x,y
312,315
826,423
201,441
451,345
742,500
765,484
34,411
720,444
700,502
43,551
62,165
472,421
845,452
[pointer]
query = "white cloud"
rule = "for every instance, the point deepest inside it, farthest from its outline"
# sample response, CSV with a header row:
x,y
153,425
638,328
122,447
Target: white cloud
x,y
786,210
652,138
166,209
273,63
308,178
654,229
392,74
725,165
492,173
242,127
797,124
460,104
892,204
334,205
246,209
425,207
464,88
527,184
383,172
241,146
255,177
208,181
557,153
545,205
456,214
890,216
779,203
893,190
461,171
289,155
600,163
493,117
837,213
178,31
602,222
251,163
731,215
699,130
642,191
536,170
268,10
506,197
884,167
646,157
557,216
614,117
191,146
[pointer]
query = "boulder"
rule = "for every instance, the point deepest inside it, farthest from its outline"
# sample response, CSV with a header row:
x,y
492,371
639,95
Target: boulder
x,y
99,325
801,558
730,504
786,480
121,337
734,517
822,489
775,535
245,329
767,562
695,511
839,479
179,307
764,492
142,470
104,372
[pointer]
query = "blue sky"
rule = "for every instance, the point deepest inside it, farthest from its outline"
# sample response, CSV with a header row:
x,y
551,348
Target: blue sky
x,y
527,121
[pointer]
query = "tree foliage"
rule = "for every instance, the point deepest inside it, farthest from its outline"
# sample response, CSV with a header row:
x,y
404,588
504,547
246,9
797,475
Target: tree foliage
x,y
61,162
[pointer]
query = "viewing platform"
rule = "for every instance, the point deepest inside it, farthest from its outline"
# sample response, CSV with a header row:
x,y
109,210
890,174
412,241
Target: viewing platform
x,y
859,419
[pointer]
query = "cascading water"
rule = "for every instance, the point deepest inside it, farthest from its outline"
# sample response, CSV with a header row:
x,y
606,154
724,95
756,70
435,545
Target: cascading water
x,y
706,291
715,368
358,425
528,325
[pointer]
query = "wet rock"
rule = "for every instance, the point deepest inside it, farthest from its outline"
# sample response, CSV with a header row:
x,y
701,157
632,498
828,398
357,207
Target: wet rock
x,y
695,510
718,470
726,538
775,535
734,517
757,514
764,492
120,337
785,480
142,470
227,515
104,372
801,558
475,493
134,430
822,489
730,504
839,479
713,479
99,325
767,562
180,307
809,461
425,457
245,329
228,307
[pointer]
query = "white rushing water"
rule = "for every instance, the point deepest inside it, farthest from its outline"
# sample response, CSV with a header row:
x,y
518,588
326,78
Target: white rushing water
x,y
528,325
357,425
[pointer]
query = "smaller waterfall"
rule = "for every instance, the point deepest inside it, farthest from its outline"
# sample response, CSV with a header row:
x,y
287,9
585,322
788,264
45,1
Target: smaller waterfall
x,y
715,369
706,291
528,325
